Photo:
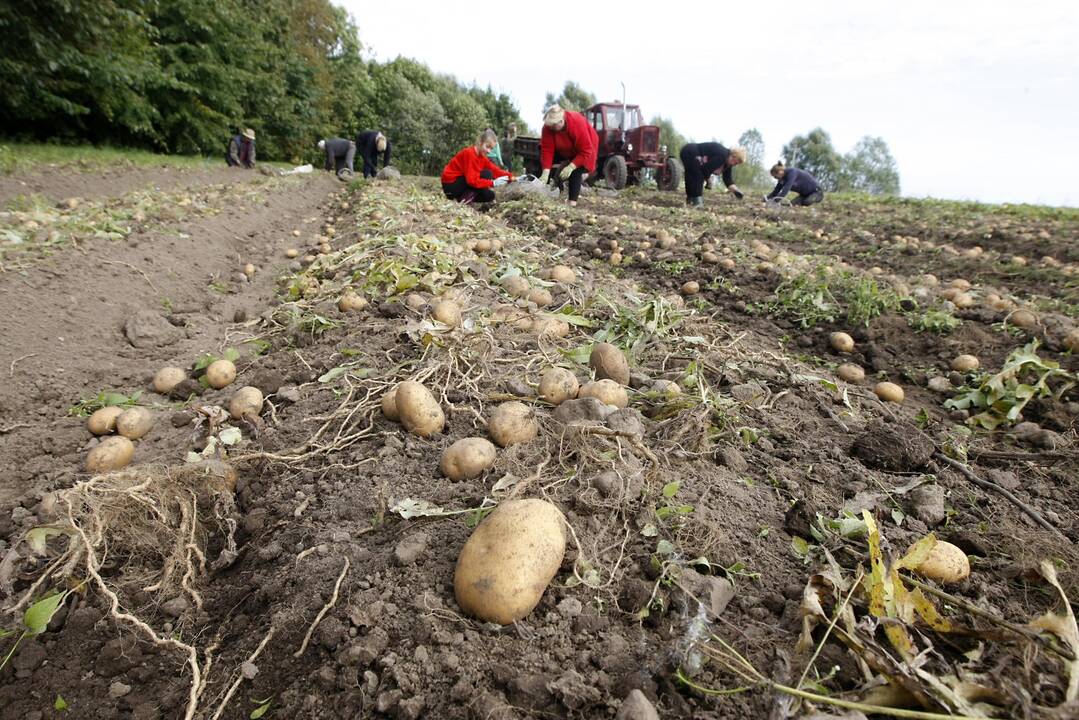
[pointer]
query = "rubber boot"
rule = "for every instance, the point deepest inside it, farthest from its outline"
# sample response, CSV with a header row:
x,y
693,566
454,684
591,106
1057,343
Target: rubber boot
x,y
695,201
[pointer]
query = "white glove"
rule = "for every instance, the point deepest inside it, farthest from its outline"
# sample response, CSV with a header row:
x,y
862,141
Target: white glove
x,y
499,182
568,170
545,176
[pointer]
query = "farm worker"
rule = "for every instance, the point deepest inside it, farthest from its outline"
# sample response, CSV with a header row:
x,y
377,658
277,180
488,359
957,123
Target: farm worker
x,y
370,144
470,175
495,155
567,136
799,181
340,154
704,159
242,150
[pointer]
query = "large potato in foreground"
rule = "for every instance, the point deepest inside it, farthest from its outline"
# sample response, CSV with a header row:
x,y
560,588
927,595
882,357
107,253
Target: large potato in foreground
x,y
509,560
946,563
889,392
220,373
420,413
447,312
112,453
841,342
103,421
512,423
607,392
609,363
246,403
134,422
558,385
467,458
389,405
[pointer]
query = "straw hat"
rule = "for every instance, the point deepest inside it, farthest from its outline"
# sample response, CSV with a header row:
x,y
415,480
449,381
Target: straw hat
x,y
248,133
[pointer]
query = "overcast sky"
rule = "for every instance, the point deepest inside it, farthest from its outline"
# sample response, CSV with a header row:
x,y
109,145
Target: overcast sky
x,y
977,100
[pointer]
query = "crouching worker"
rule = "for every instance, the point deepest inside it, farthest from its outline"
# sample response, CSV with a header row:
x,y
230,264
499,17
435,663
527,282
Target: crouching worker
x,y
470,175
242,150
340,154
568,138
370,144
703,159
799,181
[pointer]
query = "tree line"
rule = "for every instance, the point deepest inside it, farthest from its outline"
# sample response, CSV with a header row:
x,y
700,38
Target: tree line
x,y
180,76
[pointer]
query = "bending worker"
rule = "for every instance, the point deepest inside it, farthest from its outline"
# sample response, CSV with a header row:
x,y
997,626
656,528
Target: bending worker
x,y
340,154
799,181
242,150
370,143
568,137
470,175
703,159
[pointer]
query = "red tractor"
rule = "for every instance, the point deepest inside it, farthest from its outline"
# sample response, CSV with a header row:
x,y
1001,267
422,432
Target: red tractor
x,y
629,150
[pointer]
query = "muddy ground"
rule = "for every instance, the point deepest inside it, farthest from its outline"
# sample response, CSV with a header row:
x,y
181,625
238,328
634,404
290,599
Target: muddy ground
x,y
709,515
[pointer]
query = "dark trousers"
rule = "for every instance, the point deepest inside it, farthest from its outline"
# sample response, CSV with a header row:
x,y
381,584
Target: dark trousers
x,y
807,200
346,161
459,189
694,173
370,166
575,179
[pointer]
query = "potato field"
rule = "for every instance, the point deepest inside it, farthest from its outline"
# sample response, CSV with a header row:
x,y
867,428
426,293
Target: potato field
x,y
277,447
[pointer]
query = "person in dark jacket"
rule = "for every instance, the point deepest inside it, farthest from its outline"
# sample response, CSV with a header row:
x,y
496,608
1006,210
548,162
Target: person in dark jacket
x,y
798,181
241,151
703,159
470,175
568,138
340,154
370,143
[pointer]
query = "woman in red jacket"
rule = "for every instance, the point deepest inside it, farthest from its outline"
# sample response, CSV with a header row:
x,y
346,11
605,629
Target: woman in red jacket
x,y
470,175
567,136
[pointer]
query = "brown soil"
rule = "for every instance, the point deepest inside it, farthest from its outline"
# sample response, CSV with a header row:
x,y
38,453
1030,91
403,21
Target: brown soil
x,y
320,472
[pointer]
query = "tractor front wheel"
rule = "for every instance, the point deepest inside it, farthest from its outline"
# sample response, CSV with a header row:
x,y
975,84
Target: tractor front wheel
x,y
671,175
615,171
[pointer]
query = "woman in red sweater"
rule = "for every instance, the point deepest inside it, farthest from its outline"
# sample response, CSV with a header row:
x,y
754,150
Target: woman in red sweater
x,y
567,136
470,175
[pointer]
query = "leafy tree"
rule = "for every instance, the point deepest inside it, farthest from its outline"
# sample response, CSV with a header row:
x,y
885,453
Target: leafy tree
x,y
815,154
870,168
752,172
573,97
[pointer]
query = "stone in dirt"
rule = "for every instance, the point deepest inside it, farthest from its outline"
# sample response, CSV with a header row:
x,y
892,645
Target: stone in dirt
x,y
117,689
148,329
410,549
732,457
637,707
627,421
714,593
927,504
751,393
388,173
175,607
895,447
582,410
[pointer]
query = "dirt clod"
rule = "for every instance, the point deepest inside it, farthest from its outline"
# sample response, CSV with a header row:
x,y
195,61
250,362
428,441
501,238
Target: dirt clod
x,y
893,447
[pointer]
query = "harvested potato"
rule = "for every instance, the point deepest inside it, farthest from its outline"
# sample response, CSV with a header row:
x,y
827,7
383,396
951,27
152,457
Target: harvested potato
x,y
168,378
510,559
516,286
512,423
946,563
467,458
841,342
889,392
562,274
541,296
616,258
482,246
103,421
1071,341
134,422
963,300
249,269
246,403
389,405
964,363
691,288
420,413
552,326
960,284
351,301
609,362
1024,319
709,258
220,373
558,385
667,388
850,373
292,253
110,454
728,264
415,301
447,312
607,392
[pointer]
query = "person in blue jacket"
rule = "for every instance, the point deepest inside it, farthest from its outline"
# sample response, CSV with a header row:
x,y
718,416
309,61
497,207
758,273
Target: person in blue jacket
x,y
799,181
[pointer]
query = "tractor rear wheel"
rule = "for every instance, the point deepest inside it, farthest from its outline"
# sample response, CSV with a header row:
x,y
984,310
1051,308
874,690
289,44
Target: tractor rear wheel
x,y
671,176
615,171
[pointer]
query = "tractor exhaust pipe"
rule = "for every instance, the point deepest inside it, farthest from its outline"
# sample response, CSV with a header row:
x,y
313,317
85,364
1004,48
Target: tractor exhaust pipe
x,y
622,123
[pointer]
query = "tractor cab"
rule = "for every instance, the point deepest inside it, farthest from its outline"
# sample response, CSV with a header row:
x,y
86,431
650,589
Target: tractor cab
x,y
611,120
630,150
